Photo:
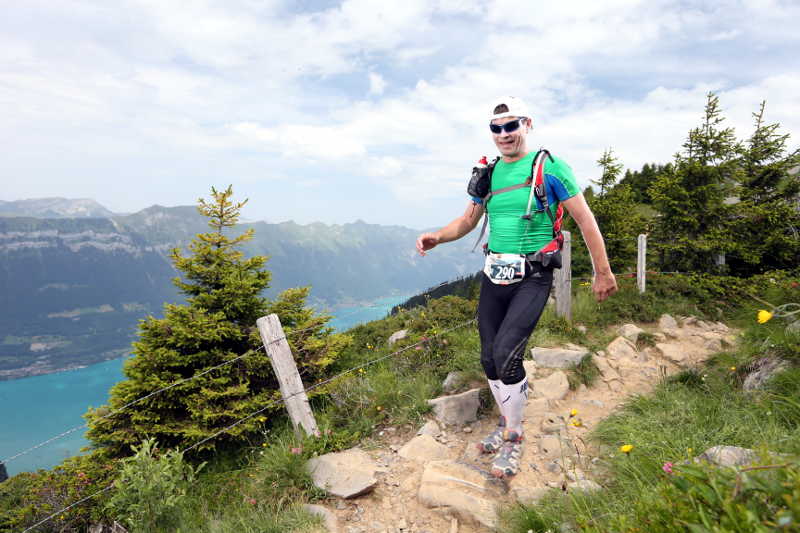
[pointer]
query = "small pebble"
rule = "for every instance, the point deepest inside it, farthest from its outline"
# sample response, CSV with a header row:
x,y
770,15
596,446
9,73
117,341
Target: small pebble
x,y
467,429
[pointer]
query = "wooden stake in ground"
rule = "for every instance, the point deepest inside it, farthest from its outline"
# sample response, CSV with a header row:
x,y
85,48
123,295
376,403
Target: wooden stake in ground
x,y
280,355
563,279
641,256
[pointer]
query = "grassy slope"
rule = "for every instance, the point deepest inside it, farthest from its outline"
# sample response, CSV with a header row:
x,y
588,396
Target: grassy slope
x,y
261,488
684,416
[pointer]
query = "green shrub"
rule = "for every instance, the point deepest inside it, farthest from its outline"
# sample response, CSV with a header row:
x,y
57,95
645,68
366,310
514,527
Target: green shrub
x,y
29,497
150,488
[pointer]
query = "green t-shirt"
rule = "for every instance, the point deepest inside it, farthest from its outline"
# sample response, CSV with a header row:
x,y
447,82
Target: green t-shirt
x,y
511,234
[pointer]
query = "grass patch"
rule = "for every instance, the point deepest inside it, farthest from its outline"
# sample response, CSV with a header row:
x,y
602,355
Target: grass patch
x,y
583,373
686,414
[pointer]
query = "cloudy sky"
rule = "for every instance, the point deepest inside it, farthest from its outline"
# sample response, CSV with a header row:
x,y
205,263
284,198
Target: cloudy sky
x,y
337,111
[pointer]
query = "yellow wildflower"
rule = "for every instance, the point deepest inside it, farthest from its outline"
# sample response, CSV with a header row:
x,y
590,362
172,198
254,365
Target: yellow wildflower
x,y
626,448
763,316
577,423
733,369
379,408
573,412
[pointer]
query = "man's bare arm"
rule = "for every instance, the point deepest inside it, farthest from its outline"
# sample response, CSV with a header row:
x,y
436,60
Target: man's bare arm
x,y
605,284
454,230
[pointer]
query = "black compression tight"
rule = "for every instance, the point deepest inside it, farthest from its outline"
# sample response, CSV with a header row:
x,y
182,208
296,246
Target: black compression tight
x,y
507,315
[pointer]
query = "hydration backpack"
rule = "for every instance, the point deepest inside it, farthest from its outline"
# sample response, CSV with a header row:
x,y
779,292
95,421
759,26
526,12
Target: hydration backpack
x,y
480,187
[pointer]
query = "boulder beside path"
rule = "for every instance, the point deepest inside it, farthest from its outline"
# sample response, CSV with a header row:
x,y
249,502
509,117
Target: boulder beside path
x,y
457,409
344,474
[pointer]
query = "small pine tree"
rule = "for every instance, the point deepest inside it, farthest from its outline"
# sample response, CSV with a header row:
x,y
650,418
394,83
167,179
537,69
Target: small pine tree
x,y
610,171
767,222
216,325
710,144
618,216
695,222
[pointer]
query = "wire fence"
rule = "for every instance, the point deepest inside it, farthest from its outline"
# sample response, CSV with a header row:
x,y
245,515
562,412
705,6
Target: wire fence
x,y
269,405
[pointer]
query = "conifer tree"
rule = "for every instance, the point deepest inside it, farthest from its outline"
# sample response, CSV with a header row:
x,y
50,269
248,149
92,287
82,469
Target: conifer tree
x,y
215,325
610,171
641,180
618,217
767,222
694,223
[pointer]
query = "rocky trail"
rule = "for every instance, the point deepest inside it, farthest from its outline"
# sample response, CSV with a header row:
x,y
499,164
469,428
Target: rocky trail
x,y
433,479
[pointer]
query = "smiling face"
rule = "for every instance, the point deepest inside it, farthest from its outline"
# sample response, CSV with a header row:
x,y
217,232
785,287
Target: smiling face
x,y
512,145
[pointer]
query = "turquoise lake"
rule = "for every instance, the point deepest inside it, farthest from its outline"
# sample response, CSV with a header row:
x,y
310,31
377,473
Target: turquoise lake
x,y
37,408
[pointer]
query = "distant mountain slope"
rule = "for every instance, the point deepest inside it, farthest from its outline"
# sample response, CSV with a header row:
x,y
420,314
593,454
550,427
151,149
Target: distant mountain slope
x,y
72,289
54,208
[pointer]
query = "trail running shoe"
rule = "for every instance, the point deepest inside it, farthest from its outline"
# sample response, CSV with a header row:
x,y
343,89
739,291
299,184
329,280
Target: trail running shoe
x,y
506,462
494,440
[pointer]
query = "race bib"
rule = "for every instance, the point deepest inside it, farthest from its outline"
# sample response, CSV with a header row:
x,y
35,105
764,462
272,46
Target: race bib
x,y
504,269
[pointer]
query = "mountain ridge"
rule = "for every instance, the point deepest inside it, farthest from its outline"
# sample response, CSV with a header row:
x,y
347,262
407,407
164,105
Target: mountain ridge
x,y
73,289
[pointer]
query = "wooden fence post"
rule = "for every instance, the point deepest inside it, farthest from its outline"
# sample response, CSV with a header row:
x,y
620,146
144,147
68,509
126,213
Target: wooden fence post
x,y
641,261
280,355
563,280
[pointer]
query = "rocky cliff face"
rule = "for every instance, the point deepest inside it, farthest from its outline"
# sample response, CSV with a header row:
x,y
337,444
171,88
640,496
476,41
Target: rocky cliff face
x,y
3,473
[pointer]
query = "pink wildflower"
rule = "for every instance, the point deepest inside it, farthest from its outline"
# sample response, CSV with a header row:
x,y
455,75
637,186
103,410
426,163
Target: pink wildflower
x,y
296,451
667,468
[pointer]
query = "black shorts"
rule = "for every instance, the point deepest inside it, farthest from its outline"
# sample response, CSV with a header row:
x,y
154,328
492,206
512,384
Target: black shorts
x,y
507,315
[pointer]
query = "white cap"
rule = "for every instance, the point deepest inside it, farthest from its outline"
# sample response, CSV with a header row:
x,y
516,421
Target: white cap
x,y
516,108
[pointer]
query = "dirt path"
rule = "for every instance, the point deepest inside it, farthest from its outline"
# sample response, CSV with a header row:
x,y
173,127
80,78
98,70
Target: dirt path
x,y
446,488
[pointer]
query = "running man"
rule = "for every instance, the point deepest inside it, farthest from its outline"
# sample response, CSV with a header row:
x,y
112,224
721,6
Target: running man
x,y
517,280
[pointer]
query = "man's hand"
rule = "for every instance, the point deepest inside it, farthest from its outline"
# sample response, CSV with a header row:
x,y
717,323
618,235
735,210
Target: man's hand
x,y
604,285
426,241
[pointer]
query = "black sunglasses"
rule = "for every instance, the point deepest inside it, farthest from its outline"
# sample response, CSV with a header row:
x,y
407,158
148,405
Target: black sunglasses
x,y
510,127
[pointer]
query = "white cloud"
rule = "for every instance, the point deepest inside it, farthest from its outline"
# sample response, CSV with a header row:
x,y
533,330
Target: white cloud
x,y
376,83
201,87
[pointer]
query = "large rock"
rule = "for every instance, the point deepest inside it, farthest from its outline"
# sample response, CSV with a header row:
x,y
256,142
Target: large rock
x,y
606,370
553,387
762,371
458,409
3,472
621,348
666,322
630,332
344,474
397,336
557,357
453,381
553,423
429,428
728,456
424,448
461,490
672,352
328,517
551,447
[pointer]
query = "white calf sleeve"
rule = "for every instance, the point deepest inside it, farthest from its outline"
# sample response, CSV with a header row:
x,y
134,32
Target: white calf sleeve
x,y
512,403
495,386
